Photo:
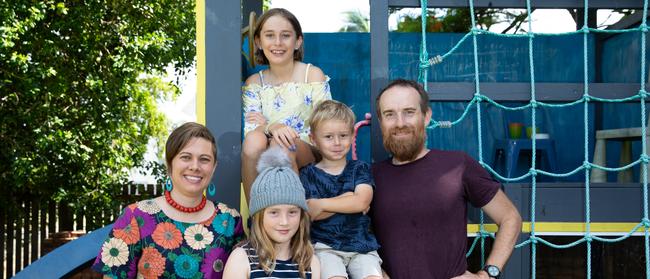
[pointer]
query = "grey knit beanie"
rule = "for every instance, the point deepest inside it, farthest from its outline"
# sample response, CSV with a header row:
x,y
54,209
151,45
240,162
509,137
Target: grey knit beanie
x,y
276,183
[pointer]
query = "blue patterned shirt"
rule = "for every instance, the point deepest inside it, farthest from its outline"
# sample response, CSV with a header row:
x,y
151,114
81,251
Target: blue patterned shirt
x,y
343,232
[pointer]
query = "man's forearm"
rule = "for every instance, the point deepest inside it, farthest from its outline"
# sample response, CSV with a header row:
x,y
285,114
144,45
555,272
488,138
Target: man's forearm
x,y
506,239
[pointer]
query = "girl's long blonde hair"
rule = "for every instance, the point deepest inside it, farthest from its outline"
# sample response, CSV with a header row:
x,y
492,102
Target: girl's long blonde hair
x,y
300,247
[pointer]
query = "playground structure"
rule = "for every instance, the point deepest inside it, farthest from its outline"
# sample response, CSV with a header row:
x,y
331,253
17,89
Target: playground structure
x,y
561,208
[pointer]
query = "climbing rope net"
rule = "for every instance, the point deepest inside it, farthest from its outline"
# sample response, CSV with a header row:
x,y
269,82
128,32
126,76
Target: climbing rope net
x,y
533,104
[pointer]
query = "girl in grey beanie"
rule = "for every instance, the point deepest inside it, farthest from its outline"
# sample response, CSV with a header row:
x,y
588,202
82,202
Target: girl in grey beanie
x,y
279,234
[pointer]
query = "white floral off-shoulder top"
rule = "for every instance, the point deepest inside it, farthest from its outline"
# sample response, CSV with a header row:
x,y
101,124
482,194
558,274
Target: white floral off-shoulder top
x,y
290,103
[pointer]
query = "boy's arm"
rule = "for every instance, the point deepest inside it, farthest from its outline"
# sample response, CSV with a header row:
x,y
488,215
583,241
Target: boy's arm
x,y
347,203
323,214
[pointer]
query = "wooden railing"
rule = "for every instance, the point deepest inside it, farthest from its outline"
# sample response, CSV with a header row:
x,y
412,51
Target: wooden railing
x,y
22,237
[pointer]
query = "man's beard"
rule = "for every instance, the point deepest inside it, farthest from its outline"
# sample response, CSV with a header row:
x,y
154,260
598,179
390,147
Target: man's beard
x,y
406,149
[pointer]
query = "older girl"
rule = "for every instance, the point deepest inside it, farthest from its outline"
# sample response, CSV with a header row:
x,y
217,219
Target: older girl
x,y
278,101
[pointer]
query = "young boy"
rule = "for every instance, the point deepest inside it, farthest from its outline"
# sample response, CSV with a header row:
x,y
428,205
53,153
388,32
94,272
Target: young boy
x,y
338,193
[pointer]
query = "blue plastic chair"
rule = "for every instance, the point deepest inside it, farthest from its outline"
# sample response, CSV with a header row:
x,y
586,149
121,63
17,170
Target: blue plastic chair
x,y
513,147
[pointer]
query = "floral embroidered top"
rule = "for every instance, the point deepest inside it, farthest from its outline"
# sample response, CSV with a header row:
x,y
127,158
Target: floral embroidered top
x,y
289,103
146,243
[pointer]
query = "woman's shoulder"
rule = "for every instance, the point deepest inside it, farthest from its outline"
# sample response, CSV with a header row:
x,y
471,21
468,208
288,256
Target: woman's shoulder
x,y
223,208
315,74
253,79
149,206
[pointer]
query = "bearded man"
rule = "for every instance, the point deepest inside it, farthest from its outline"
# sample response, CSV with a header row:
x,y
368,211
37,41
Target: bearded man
x,y
419,207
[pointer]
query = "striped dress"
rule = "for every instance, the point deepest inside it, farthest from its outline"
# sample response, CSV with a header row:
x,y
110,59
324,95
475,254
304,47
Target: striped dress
x,y
283,269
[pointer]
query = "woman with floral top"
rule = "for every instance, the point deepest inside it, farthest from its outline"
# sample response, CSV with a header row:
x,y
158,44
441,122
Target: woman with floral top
x,y
180,234
278,101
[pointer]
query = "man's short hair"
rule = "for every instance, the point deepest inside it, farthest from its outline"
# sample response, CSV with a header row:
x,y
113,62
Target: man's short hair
x,y
424,97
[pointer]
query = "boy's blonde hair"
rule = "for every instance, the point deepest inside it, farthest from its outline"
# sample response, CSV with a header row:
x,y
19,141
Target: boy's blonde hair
x,y
331,110
300,245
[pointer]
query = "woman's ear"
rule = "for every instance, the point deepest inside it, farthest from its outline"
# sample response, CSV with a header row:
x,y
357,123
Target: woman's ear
x,y
299,42
257,43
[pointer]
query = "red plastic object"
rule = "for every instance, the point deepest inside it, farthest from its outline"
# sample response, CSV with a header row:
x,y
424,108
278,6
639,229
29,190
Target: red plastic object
x,y
359,124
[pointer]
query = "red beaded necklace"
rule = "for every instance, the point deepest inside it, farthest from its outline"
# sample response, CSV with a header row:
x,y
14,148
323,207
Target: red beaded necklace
x,y
174,204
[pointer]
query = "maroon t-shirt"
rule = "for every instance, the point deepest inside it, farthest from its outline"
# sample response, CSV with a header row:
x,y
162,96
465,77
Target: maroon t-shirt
x,y
419,213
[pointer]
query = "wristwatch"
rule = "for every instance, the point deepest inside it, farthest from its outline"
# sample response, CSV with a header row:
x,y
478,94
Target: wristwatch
x,y
492,271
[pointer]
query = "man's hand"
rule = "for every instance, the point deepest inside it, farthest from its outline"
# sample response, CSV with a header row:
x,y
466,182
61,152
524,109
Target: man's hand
x,y
315,208
468,275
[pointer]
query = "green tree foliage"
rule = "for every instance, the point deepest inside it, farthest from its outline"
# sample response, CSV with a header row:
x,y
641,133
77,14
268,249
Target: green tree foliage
x,y
459,20
79,81
355,22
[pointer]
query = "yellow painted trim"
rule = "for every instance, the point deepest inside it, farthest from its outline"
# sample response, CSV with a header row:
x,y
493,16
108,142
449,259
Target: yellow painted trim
x,y
564,227
243,209
200,61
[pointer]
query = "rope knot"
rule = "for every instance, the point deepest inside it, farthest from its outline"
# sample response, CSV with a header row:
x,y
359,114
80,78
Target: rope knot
x,y
646,222
478,96
645,159
584,29
435,60
586,97
533,239
444,124
484,234
586,165
534,104
477,31
531,35
533,172
588,238
643,27
643,94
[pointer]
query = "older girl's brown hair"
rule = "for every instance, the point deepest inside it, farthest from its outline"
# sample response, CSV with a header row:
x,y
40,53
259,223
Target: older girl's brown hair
x,y
182,135
260,58
300,246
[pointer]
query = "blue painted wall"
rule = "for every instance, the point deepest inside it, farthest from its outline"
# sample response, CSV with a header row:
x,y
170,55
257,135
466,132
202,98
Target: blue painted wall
x,y
345,57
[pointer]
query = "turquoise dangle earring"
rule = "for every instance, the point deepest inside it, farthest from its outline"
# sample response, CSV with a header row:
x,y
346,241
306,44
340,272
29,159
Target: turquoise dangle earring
x,y
168,184
212,189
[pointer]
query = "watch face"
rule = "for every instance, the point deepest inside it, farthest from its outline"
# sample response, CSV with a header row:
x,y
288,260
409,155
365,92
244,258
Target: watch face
x,y
493,271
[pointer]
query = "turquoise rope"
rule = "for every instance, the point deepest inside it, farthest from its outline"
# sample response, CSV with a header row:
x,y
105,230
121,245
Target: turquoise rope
x,y
585,40
644,159
582,100
533,171
429,62
644,29
424,56
477,94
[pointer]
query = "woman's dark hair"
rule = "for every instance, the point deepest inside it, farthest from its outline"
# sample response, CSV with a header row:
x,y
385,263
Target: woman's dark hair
x,y
182,135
